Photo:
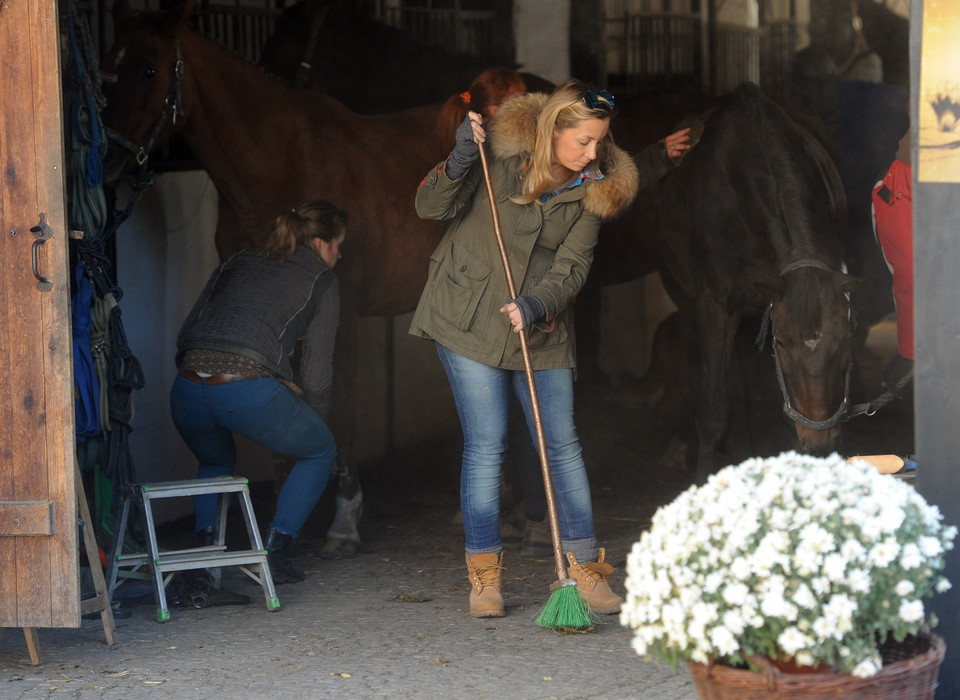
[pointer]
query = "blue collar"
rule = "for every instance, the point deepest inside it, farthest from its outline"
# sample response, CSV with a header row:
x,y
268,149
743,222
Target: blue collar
x,y
586,174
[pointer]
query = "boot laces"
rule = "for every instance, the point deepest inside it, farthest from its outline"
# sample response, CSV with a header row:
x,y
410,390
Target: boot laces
x,y
598,570
487,575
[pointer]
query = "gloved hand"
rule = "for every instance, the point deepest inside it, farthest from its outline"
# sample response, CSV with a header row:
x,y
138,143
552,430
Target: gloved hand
x,y
531,309
465,151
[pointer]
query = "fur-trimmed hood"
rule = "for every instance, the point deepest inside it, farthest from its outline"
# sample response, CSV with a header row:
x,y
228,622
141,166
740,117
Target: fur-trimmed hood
x,y
513,131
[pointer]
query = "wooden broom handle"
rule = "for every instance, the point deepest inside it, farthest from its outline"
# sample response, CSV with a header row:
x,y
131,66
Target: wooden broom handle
x,y
531,383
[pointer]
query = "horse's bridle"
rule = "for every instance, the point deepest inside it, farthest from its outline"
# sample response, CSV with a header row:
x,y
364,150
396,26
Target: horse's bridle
x,y
788,409
172,108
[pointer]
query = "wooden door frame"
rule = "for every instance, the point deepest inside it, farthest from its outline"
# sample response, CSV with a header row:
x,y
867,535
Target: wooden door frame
x,y
38,507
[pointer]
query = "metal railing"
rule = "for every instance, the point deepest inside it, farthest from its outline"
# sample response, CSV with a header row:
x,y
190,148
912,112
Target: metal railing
x,y
445,25
657,51
242,29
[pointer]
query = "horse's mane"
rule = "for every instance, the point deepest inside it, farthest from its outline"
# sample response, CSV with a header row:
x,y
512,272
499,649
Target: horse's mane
x,y
810,215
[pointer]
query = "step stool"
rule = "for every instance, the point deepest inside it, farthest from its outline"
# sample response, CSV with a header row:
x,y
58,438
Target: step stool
x,y
253,561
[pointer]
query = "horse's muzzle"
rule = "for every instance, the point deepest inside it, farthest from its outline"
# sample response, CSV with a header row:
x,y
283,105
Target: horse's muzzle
x,y
818,442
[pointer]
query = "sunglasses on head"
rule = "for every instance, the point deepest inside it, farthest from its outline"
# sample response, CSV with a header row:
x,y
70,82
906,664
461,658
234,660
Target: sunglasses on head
x,y
602,99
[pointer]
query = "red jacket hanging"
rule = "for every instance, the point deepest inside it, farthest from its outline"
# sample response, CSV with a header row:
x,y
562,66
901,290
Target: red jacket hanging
x,y
893,214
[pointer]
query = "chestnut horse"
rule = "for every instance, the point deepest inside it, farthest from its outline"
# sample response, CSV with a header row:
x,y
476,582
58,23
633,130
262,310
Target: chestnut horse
x,y
268,148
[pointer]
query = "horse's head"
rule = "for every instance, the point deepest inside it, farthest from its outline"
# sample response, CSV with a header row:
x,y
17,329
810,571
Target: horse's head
x,y
143,76
812,330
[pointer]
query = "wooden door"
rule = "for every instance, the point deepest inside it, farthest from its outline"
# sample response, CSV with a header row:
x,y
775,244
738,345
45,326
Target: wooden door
x,y
39,581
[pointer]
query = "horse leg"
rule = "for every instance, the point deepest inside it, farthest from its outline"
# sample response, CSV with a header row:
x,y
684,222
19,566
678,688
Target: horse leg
x,y
716,336
343,539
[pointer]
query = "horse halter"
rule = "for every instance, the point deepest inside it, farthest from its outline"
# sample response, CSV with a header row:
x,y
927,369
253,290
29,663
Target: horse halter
x,y
172,108
788,409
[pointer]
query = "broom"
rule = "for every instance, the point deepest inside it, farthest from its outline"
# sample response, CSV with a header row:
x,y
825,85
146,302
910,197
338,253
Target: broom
x,y
564,610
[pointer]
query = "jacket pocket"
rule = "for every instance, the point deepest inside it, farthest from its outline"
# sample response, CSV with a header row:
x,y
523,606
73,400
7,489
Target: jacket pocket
x,y
462,286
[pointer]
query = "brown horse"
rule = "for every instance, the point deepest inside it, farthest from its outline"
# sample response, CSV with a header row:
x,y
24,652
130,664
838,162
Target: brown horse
x,y
267,148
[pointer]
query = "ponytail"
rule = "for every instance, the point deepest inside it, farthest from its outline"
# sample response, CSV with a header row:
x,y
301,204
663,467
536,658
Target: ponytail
x,y
299,226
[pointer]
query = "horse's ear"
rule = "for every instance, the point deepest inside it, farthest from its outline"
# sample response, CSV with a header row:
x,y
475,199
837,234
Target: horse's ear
x,y
773,288
179,15
122,13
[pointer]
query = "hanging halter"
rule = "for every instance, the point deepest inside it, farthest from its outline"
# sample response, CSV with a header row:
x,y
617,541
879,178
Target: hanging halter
x,y
788,409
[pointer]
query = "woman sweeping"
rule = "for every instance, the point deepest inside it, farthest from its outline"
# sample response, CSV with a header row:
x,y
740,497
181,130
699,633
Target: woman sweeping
x,y
556,175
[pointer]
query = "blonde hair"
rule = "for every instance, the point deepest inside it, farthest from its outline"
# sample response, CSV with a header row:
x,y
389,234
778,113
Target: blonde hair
x,y
565,108
299,226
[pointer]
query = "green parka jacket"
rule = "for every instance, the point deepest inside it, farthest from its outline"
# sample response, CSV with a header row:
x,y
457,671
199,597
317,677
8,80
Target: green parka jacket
x,y
550,245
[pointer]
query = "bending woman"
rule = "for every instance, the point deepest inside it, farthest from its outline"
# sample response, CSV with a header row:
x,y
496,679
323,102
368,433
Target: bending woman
x,y
235,374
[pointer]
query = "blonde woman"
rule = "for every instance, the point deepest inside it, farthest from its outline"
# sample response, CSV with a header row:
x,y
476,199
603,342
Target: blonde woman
x,y
556,174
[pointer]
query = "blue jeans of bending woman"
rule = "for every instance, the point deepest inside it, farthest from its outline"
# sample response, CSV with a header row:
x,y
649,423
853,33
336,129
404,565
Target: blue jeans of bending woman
x,y
268,413
482,396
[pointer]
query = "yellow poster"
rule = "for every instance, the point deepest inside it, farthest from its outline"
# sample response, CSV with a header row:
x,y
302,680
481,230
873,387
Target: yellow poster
x,y
939,137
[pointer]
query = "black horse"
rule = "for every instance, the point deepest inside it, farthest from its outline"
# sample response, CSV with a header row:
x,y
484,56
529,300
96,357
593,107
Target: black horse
x,y
752,223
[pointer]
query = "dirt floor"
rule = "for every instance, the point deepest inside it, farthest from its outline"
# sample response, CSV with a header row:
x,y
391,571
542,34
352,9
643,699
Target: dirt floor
x,y
392,622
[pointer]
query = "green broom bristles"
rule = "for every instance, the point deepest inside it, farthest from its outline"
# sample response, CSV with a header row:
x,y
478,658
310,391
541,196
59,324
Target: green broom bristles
x,y
565,610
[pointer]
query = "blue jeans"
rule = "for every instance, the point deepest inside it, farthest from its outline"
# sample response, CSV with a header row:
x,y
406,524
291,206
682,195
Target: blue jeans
x,y
482,398
265,411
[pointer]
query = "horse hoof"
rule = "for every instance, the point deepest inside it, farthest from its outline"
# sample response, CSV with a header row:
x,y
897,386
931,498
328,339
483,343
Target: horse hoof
x,y
339,549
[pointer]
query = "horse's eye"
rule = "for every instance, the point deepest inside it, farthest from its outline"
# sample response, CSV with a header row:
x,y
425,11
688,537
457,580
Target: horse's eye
x,y
150,73
780,343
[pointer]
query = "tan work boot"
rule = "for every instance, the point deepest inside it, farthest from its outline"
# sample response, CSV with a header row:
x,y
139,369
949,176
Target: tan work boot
x,y
484,570
592,584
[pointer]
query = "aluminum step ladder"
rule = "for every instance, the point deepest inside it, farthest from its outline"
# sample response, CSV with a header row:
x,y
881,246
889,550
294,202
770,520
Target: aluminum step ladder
x,y
162,564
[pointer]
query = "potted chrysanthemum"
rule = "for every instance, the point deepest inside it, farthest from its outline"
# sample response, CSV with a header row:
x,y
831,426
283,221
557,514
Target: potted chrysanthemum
x,y
792,558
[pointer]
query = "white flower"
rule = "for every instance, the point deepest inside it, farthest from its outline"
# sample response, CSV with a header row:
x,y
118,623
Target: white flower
x,y
858,581
904,588
867,668
792,640
930,546
734,621
735,593
911,610
740,569
723,641
884,552
835,567
942,586
804,597
911,557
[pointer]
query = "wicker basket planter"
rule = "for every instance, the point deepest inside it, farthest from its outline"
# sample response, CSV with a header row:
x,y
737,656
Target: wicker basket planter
x,y
909,673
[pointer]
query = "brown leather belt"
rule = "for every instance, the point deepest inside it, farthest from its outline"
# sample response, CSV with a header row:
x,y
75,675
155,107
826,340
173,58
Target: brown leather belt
x,y
215,379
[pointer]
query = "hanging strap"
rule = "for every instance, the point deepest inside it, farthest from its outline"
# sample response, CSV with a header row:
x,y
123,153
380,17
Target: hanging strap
x,y
87,400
